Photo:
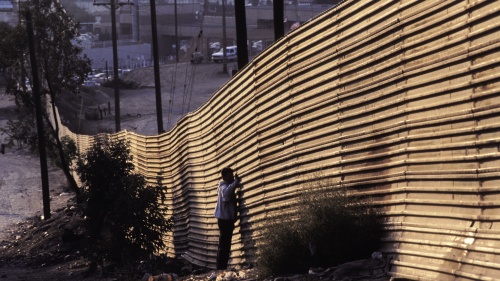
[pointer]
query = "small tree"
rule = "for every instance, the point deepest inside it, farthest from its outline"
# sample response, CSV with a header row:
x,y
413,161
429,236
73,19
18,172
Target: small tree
x,y
339,226
62,68
126,219
282,249
68,148
331,227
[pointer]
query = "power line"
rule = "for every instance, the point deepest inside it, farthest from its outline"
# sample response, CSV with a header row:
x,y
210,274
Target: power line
x,y
113,4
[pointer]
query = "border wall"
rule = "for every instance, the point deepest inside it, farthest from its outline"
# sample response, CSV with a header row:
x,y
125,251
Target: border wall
x,y
398,100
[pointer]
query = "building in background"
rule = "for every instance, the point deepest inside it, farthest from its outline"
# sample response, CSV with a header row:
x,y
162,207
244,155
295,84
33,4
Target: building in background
x,y
187,18
195,24
8,12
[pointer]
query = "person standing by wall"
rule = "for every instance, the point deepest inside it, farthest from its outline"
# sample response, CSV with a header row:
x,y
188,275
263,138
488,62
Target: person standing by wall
x,y
225,212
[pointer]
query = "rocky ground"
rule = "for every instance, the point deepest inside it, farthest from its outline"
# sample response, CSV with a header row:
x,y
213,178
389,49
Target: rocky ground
x,y
33,248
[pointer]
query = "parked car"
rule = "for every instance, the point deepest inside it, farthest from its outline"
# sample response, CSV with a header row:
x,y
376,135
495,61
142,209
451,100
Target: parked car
x,y
231,54
196,57
90,83
125,71
99,77
215,45
257,45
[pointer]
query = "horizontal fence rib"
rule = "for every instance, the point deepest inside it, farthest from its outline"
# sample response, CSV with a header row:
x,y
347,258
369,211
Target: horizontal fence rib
x,y
397,101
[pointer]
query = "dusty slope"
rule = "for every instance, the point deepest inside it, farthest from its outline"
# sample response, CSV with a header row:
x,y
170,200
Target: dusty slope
x,y
20,184
194,85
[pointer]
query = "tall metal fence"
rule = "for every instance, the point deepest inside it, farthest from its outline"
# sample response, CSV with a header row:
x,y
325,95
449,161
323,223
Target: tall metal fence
x,y
398,100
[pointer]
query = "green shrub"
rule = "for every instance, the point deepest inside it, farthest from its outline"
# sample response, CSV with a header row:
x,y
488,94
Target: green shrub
x,y
69,150
283,250
126,220
331,227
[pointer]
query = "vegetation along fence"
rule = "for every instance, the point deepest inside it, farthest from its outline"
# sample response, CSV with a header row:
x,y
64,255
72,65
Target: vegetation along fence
x,y
399,100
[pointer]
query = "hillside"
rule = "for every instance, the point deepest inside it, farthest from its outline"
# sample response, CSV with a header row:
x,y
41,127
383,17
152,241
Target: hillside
x,y
194,85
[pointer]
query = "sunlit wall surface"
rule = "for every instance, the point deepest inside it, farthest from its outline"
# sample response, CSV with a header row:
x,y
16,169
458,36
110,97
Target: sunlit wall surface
x,y
399,100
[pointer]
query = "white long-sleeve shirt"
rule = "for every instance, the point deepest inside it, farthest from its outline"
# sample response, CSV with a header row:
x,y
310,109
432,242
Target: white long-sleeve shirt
x,y
226,200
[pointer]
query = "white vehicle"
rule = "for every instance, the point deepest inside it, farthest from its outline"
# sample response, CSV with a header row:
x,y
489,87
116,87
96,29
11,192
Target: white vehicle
x,y
127,70
257,45
90,83
215,45
231,54
85,37
99,77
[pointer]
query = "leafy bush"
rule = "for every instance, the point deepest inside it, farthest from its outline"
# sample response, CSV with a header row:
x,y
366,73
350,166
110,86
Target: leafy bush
x,y
68,148
126,220
22,132
283,250
331,227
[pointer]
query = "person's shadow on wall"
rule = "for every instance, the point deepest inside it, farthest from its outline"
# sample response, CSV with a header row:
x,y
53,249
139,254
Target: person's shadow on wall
x,y
245,229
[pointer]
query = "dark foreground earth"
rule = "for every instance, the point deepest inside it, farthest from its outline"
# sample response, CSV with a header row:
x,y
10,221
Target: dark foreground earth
x,y
50,249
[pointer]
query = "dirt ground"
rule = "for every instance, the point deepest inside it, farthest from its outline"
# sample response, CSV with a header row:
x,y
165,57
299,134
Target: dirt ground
x,y
32,248
194,85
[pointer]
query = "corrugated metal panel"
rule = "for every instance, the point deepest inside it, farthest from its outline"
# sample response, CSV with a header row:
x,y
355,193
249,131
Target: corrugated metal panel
x,y
398,100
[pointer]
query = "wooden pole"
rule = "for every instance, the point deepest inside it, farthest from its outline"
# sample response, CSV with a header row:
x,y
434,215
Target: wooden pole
x,y
224,55
177,47
39,118
114,38
115,66
156,65
241,33
278,12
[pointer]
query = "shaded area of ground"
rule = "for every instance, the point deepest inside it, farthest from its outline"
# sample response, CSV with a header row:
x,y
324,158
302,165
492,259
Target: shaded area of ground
x,y
51,250
38,249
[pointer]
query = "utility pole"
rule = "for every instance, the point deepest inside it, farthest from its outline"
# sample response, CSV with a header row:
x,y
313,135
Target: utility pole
x,y
156,65
112,4
135,21
115,66
39,118
224,55
241,33
278,12
177,47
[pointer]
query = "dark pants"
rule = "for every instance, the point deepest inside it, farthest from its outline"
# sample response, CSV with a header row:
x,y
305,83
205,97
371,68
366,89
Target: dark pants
x,y
226,228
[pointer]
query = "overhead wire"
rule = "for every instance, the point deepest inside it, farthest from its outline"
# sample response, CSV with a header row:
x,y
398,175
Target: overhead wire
x,y
188,87
184,94
172,95
189,76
